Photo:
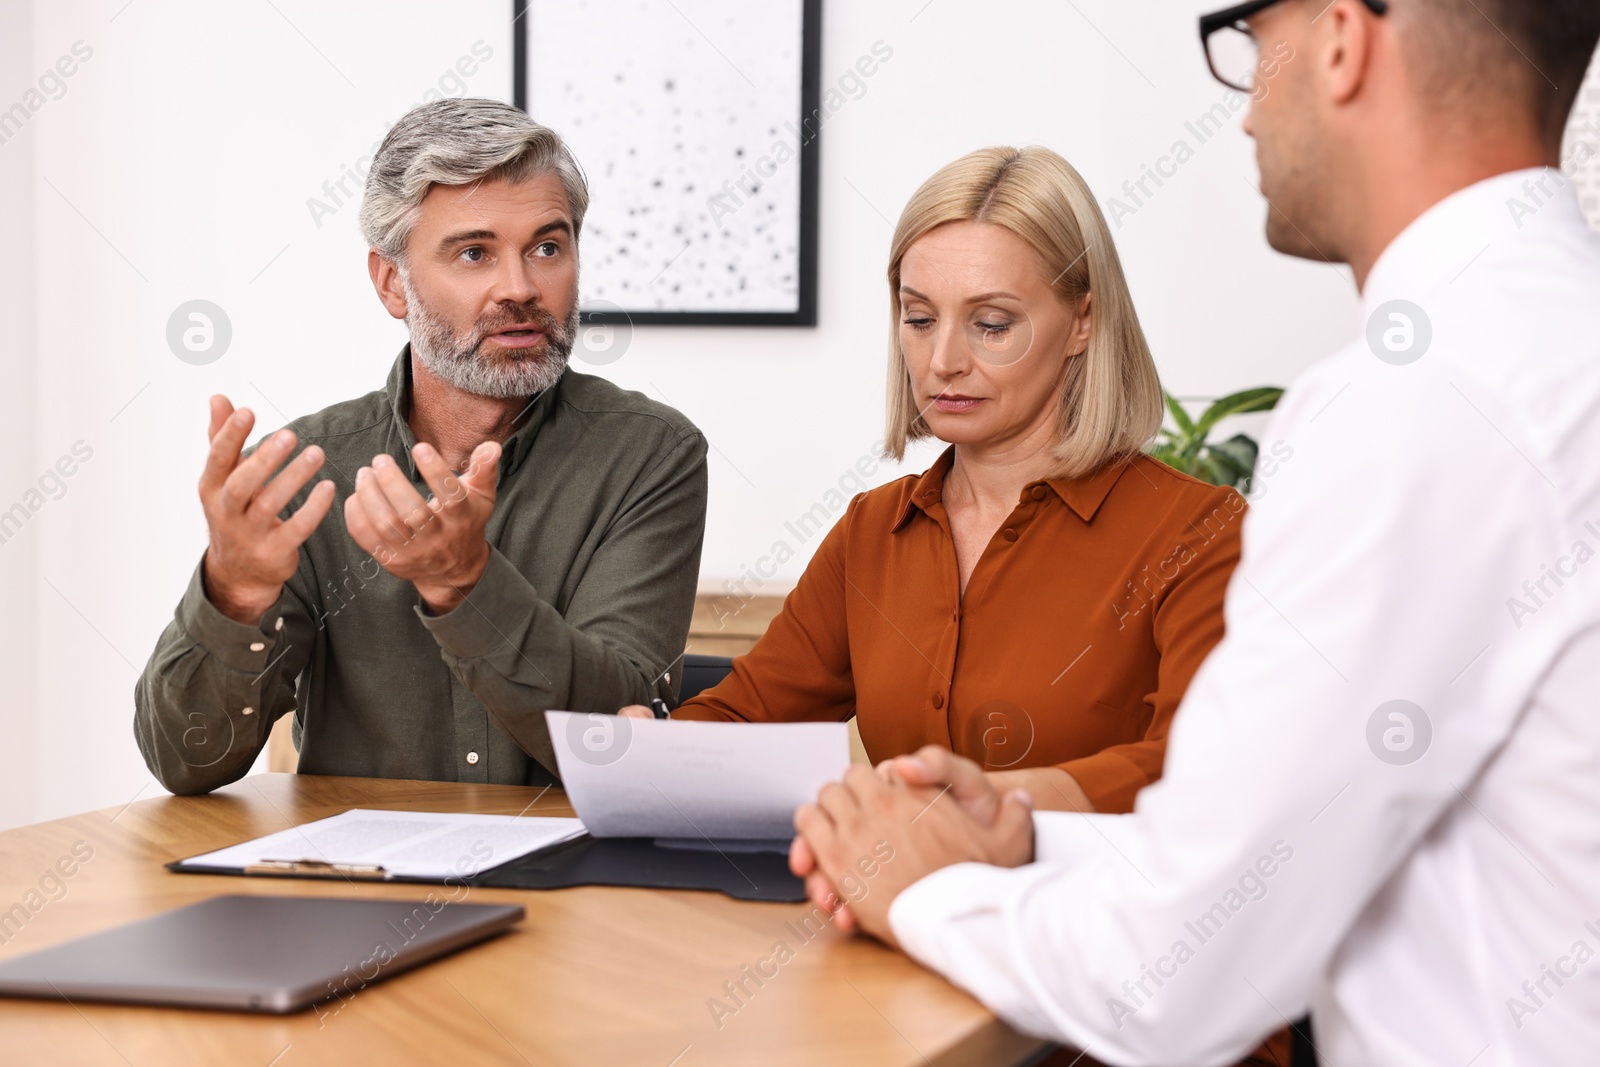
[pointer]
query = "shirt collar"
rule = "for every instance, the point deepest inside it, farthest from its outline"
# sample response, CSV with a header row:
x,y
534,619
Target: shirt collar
x,y
512,452
1083,495
1444,242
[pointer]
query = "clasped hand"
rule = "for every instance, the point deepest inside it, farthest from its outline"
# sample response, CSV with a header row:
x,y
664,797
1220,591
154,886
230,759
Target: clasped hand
x,y
903,820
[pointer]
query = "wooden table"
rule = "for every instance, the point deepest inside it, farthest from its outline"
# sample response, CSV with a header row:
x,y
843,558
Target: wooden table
x,y
592,976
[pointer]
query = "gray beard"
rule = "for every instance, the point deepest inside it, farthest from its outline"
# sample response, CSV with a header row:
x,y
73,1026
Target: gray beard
x,y
455,357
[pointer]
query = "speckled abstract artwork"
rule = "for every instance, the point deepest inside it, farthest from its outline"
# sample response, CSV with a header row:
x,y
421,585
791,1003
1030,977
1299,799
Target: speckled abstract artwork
x,y
686,117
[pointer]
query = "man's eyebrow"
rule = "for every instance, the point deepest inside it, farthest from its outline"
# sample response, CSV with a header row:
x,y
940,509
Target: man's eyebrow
x,y
467,235
556,226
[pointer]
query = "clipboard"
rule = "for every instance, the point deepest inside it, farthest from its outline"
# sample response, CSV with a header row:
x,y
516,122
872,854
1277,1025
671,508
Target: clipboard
x,y
743,870
630,862
390,846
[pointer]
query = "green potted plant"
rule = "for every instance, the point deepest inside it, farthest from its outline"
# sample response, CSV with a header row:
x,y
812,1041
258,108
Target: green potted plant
x,y
1185,446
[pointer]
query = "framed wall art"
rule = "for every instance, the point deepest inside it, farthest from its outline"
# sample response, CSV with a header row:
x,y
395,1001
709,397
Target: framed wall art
x,y
696,122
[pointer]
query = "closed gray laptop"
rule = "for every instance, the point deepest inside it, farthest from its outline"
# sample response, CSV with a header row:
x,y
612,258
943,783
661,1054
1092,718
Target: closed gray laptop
x,y
254,953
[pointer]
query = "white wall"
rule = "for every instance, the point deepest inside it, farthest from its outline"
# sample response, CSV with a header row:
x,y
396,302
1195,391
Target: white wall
x,y
178,165
19,426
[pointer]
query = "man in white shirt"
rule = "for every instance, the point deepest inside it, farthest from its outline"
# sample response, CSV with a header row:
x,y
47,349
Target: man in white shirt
x,y
1382,793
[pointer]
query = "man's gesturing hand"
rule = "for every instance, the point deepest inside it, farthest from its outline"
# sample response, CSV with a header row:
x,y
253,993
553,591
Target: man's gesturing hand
x,y
252,551
437,544
923,829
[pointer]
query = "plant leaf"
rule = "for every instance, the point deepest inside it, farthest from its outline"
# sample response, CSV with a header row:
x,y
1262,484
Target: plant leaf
x,y
1165,453
1264,398
1228,471
1238,452
1208,470
1185,424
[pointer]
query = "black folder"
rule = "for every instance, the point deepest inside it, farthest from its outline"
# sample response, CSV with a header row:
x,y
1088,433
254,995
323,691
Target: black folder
x,y
742,870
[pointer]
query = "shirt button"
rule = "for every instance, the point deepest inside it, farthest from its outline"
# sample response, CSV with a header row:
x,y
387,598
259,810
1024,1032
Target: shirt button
x,y
1009,534
247,711
472,757
1038,492
257,646
938,700
279,624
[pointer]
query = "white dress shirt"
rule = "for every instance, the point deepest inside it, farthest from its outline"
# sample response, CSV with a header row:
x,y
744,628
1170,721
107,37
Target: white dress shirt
x,y
1428,884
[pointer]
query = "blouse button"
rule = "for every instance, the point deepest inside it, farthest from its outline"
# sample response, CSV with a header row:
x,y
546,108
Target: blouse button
x,y
1038,492
938,700
1009,534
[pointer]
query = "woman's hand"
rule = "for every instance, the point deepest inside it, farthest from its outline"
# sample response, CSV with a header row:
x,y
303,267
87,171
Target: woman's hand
x,y
1051,788
979,791
636,711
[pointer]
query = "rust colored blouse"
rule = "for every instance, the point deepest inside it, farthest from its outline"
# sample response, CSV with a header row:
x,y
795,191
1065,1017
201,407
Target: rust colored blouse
x,y
1083,622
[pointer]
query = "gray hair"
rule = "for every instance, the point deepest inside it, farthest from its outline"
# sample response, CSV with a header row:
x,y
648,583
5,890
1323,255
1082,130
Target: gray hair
x,y
458,142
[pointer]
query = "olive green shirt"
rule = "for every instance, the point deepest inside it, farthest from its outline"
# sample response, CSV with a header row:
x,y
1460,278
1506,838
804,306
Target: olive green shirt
x,y
595,549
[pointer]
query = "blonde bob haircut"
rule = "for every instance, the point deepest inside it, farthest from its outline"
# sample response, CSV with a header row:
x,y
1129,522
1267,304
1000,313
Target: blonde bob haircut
x,y
1110,402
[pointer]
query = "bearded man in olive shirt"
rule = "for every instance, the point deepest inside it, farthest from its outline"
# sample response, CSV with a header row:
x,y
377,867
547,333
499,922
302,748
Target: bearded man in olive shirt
x,y
418,622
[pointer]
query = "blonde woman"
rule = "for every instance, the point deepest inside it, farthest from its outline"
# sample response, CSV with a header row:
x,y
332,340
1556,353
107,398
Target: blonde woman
x,y
1039,599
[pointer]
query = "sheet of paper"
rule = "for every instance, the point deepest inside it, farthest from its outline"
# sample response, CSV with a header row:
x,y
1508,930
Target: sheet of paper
x,y
417,844
696,780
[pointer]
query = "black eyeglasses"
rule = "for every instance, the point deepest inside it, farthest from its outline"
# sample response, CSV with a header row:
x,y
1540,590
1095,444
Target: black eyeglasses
x,y
1232,51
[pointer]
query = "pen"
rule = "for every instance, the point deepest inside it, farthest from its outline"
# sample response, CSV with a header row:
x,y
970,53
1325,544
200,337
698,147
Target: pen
x,y
317,867
659,706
